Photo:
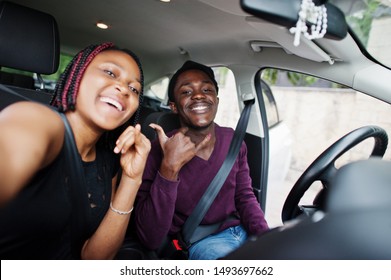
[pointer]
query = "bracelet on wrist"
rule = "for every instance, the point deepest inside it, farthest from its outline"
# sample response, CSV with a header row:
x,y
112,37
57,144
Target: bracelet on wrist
x,y
119,211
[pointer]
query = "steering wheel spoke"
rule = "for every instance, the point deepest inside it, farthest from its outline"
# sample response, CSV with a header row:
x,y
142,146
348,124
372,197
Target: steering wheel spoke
x,y
308,210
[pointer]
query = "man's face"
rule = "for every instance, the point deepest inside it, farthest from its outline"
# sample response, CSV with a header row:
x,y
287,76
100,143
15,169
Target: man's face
x,y
196,99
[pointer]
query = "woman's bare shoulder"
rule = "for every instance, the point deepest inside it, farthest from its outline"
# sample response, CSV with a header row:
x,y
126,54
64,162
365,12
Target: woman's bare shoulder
x,y
38,122
28,107
31,112
32,137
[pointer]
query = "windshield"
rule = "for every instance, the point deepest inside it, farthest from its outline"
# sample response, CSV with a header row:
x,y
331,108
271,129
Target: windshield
x,y
370,20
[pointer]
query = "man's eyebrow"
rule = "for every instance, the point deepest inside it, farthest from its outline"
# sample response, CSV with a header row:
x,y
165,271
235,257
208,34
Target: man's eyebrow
x,y
186,83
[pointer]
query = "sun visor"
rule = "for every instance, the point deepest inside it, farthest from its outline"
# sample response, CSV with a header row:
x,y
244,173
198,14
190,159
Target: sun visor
x,y
286,13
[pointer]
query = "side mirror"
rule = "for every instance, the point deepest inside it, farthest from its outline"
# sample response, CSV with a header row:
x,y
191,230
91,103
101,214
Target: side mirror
x,y
286,13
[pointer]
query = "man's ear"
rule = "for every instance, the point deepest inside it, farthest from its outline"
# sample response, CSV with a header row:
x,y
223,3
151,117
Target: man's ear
x,y
173,107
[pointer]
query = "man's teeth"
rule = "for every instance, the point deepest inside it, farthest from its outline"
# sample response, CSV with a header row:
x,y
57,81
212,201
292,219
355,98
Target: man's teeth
x,y
113,102
199,108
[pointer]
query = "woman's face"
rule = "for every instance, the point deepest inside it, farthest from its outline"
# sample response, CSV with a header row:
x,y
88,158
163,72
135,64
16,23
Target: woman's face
x,y
109,90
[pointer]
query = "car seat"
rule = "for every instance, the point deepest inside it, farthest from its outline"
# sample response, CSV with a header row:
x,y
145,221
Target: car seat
x,y
30,42
167,120
15,79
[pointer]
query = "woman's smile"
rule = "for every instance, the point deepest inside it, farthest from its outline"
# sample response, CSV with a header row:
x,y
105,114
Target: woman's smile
x,y
112,103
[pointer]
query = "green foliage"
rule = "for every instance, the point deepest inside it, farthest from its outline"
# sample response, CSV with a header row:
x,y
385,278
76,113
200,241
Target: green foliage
x,y
64,60
296,79
270,76
221,75
361,22
299,80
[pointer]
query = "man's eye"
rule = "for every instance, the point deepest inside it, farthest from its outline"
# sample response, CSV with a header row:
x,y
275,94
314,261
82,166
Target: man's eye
x,y
186,92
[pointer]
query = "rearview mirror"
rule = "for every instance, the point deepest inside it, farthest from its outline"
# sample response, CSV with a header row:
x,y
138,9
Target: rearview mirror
x,y
286,13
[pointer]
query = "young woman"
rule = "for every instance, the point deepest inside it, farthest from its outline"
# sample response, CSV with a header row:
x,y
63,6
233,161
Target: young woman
x,y
98,93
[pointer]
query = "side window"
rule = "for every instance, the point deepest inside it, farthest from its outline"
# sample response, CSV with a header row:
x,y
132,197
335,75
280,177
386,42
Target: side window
x,y
270,105
228,113
158,89
317,113
155,95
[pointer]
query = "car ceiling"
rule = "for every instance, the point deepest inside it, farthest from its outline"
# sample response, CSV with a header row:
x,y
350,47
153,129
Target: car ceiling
x,y
214,32
150,29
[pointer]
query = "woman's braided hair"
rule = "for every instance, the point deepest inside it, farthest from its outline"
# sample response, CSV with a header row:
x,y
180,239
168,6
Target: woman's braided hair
x,y
67,87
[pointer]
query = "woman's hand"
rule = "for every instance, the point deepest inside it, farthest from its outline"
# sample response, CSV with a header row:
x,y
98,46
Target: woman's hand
x,y
134,148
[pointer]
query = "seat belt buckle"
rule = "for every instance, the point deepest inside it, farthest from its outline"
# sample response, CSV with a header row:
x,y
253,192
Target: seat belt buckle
x,y
176,244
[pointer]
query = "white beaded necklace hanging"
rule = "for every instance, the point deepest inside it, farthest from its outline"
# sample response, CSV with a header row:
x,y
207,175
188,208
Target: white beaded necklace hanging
x,y
316,15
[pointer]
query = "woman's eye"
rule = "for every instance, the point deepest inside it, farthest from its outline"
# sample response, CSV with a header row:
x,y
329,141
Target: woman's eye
x,y
134,90
108,72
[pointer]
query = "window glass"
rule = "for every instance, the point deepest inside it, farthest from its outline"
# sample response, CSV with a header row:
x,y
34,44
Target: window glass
x,y
228,112
317,114
158,89
270,105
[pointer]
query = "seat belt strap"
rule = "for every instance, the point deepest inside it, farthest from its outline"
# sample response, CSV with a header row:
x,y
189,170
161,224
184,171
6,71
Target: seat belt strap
x,y
211,192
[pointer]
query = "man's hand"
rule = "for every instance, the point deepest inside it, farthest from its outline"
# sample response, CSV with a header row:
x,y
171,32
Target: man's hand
x,y
177,150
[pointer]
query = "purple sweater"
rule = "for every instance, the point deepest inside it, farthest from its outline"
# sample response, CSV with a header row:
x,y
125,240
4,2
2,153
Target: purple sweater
x,y
163,206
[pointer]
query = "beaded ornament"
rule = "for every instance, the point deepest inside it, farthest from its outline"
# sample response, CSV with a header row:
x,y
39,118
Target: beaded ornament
x,y
311,14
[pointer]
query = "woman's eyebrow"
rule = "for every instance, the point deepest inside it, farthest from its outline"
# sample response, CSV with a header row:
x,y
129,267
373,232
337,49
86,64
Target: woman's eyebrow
x,y
123,69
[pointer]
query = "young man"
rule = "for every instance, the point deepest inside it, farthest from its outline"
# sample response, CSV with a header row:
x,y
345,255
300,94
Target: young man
x,y
183,163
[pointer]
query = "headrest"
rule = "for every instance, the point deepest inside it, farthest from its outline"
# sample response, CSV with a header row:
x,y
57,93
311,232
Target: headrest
x,y
29,39
361,186
167,120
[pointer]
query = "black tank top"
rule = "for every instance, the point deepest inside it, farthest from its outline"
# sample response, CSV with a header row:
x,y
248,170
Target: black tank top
x,y
36,224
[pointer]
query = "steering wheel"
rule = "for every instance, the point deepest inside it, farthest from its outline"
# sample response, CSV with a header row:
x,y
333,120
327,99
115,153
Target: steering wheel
x,y
323,168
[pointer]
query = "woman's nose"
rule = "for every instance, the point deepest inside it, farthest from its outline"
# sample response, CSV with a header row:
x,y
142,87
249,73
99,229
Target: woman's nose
x,y
123,89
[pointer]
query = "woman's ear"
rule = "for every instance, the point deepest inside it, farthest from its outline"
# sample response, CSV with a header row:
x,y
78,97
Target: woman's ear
x,y
173,107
